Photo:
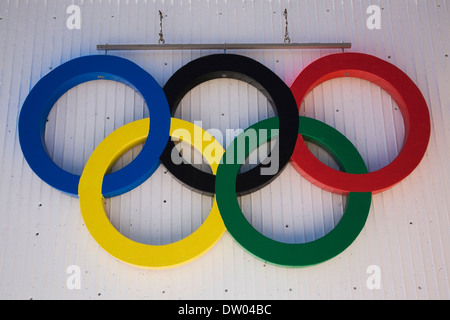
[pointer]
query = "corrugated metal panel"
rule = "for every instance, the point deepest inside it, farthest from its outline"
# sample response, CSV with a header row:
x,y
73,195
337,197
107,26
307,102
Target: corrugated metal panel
x,y
42,232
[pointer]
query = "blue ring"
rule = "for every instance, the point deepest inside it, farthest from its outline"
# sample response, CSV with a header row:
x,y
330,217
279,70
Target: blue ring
x,y
49,89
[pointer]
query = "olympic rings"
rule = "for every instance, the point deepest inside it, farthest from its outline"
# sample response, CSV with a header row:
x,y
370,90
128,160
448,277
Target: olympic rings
x,y
111,240
410,101
244,69
225,214
49,89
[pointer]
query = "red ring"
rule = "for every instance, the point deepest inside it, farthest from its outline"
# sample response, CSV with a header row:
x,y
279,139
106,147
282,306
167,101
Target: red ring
x,y
406,94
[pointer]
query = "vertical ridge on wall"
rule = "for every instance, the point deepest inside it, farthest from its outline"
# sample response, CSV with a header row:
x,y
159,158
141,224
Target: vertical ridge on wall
x,y
42,232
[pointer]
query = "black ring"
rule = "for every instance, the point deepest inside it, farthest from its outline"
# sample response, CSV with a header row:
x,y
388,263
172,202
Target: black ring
x,y
239,68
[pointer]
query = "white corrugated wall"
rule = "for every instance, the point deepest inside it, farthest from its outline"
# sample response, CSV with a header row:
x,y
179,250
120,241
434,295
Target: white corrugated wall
x,y
41,230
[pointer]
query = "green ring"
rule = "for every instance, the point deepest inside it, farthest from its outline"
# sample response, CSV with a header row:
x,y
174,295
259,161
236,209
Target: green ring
x,y
294,255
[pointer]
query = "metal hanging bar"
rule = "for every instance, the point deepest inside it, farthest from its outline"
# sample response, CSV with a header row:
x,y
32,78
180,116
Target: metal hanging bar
x,y
224,46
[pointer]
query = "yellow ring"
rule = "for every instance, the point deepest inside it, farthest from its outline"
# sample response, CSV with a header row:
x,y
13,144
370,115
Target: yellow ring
x,y
106,235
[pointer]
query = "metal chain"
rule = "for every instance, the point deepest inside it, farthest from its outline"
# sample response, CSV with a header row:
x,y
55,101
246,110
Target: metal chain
x,y
161,35
286,32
